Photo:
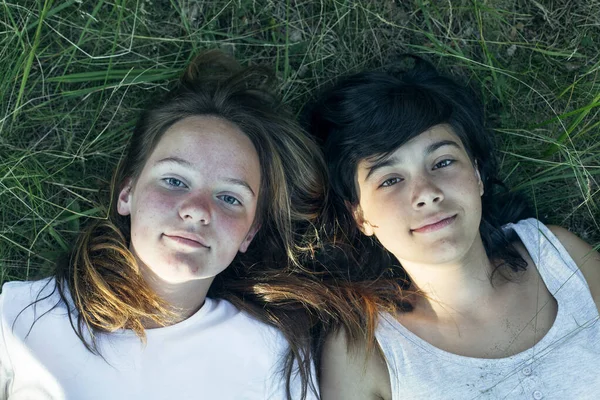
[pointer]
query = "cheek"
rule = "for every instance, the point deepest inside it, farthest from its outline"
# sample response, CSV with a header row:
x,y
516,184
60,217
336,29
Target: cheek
x,y
234,228
151,206
465,196
474,191
465,185
386,211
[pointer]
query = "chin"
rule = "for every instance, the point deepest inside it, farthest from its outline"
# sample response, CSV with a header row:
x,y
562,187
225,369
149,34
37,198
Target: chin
x,y
176,273
438,253
185,273
448,254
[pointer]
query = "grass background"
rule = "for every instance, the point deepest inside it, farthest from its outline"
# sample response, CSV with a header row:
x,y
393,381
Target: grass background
x,y
74,75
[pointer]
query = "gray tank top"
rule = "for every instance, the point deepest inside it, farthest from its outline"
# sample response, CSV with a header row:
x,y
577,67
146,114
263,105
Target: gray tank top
x,y
564,364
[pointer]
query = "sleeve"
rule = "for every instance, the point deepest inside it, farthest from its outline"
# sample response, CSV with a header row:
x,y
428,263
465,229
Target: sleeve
x,y
6,370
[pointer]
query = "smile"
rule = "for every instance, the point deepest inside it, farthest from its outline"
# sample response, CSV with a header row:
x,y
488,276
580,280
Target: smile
x,y
187,240
442,223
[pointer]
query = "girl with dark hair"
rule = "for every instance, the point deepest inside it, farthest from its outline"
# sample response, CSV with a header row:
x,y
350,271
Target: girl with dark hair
x,y
190,288
471,298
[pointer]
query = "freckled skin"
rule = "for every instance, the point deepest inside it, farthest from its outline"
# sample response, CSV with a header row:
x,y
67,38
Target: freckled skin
x,y
416,189
194,195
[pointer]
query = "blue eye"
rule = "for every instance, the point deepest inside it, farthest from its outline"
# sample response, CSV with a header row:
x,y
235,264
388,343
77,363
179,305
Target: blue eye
x,y
174,182
443,164
230,200
391,182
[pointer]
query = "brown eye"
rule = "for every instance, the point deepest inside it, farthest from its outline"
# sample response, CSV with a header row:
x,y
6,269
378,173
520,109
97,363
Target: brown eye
x,y
390,182
443,164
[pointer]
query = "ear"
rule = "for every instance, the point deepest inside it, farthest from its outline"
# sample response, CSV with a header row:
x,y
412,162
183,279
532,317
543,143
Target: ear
x,y
365,227
124,200
479,181
249,237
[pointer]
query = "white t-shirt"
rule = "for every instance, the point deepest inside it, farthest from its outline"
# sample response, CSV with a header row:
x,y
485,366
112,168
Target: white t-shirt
x,y
219,352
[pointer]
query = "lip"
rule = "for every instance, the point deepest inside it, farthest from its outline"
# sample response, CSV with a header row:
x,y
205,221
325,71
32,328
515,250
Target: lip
x,y
188,239
435,223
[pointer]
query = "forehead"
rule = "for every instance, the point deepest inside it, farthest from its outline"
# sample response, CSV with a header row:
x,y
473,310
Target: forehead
x,y
416,146
209,144
203,134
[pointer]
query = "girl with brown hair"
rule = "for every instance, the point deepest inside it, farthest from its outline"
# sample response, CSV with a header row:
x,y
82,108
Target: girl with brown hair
x,y
188,288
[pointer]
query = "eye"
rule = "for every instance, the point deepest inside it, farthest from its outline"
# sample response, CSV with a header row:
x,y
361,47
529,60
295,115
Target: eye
x,y
443,164
174,182
391,182
230,200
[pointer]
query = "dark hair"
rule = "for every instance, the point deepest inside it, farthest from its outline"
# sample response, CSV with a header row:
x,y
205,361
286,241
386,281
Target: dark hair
x,y
370,115
269,281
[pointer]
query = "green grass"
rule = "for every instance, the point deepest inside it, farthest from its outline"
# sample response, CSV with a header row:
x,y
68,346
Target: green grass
x,y
74,75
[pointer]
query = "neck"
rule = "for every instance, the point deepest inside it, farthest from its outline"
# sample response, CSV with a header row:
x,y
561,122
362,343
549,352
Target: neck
x,y
185,298
449,290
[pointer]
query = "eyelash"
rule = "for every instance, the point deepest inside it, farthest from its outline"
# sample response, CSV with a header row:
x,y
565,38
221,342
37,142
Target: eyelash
x,y
448,161
174,182
177,183
236,202
387,184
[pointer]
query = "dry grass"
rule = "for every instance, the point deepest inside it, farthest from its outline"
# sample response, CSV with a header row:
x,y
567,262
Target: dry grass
x,y
75,74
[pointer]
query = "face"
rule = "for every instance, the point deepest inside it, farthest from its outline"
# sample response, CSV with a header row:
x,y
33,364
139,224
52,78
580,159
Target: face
x,y
193,206
423,202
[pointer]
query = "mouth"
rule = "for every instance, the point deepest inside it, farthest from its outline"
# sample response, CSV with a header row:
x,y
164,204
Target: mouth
x,y
187,239
436,225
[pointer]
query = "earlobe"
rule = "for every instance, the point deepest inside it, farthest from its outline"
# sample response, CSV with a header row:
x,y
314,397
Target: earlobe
x,y
248,239
124,200
364,226
479,180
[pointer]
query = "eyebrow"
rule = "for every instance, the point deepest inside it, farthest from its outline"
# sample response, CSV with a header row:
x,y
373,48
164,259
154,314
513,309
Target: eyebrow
x,y
434,146
241,183
186,163
386,162
174,160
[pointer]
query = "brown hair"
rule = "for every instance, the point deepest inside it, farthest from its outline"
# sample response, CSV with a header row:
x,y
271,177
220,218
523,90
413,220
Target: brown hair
x,y
269,281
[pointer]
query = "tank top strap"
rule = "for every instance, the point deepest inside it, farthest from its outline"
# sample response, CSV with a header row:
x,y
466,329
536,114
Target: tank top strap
x,y
556,267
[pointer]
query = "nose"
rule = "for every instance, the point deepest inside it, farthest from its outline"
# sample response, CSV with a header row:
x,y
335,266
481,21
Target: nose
x,y
196,208
425,193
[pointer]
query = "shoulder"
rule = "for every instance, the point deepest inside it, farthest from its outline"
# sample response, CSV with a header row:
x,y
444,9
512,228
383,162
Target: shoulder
x,y
22,293
25,301
27,288
352,370
18,310
584,255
